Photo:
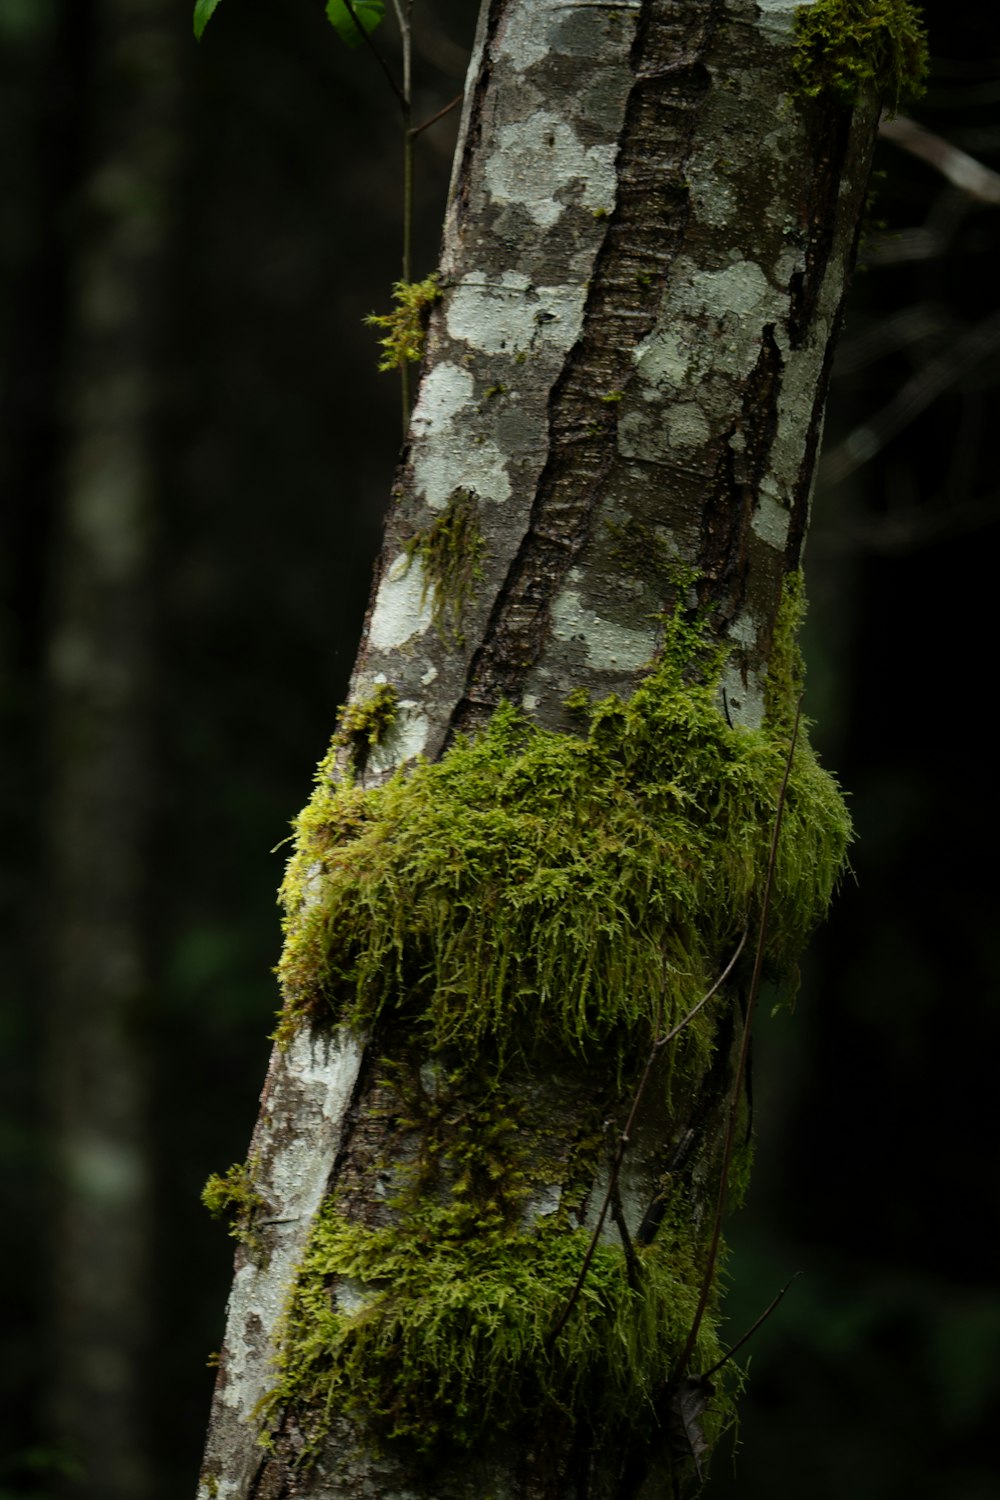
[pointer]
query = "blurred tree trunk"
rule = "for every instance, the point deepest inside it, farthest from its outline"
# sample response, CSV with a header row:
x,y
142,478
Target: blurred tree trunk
x,y
101,665
645,256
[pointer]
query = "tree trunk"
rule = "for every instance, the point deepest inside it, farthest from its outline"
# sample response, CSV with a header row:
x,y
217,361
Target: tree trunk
x,y
582,623
100,666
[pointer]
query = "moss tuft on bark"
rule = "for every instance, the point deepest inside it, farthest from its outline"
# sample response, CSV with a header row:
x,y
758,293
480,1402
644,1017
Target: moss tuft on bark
x,y
436,1332
536,896
841,46
450,552
537,885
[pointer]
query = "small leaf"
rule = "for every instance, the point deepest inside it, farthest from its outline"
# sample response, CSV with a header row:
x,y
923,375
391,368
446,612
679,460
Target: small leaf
x,y
687,1407
369,14
202,15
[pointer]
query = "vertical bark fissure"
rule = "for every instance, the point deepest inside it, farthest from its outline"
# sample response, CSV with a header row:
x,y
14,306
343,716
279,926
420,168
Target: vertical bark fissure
x,y
644,236
723,554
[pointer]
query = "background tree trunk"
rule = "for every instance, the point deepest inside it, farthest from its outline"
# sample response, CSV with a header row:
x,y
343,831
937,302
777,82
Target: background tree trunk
x,y
646,250
101,669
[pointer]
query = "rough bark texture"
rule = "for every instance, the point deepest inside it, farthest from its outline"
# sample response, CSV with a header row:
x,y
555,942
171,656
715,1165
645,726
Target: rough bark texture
x,y
644,262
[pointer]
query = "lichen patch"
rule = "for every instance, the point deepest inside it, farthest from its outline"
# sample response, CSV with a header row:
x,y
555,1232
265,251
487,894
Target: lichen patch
x,y
544,183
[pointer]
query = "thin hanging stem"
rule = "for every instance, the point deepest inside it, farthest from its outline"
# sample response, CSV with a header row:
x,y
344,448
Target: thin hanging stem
x,y
404,17
626,1136
741,1065
438,115
369,43
735,1348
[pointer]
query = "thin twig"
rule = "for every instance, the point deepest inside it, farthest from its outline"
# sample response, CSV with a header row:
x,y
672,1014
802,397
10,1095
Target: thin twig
x,y
626,1135
741,1065
433,119
769,1309
404,17
631,1259
961,169
376,53
938,375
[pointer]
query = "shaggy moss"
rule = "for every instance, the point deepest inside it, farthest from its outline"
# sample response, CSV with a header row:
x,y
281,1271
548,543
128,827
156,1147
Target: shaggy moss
x,y
843,45
406,326
366,724
234,1196
534,884
536,889
443,1329
450,551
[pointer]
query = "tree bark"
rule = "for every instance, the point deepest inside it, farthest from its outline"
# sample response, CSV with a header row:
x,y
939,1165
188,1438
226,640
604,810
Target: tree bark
x,y
645,257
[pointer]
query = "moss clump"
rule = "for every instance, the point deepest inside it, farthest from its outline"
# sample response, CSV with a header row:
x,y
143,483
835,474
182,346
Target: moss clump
x,y
843,45
234,1196
533,884
406,326
574,894
367,724
445,1329
450,551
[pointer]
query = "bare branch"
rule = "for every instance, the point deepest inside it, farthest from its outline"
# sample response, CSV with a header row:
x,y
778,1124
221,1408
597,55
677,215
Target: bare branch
x,y
937,376
769,1309
962,170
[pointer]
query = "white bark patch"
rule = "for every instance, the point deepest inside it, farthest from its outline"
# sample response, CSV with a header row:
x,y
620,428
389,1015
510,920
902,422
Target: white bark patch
x,y
777,16
525,38
351,1295
311,1085
770,521
406,741
511,316
443,457
542,1205
544,181
609,646
399,614
734,302
686,426
663,361
744,701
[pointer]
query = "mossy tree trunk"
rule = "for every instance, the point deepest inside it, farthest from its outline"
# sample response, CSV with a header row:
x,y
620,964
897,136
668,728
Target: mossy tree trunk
x,y
581,621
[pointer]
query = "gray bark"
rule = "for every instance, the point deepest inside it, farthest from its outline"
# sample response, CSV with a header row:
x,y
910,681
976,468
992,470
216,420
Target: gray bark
x,y
99,669
644,263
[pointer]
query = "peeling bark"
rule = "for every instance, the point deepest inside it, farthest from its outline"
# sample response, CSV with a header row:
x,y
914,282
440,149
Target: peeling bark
x,y
644,263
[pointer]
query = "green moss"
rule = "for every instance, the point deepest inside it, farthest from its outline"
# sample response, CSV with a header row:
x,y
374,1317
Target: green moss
x,y
406,326
450,551
536,884
368,723
843,45
446,1329
234,1196
536,890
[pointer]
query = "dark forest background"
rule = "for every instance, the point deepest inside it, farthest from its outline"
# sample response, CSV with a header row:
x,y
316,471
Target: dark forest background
x,y
196,455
